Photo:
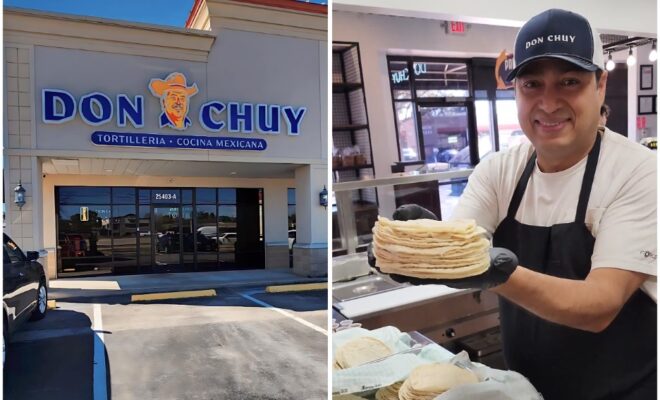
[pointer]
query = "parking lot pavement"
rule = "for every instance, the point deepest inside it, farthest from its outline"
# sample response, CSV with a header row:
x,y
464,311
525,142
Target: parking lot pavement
x,y
241,344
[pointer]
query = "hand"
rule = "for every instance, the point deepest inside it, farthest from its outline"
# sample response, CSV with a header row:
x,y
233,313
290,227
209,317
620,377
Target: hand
x,y
502,264
408,212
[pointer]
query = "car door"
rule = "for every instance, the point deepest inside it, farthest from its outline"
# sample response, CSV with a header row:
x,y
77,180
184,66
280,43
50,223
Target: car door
x,y
19,290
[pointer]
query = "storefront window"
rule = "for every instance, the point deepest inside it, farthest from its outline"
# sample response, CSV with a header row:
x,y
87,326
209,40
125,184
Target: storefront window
x,y
227,235
123,195
291,202
485,129
124,238
445,135
407,131
84,195
510,132
205,196
441,79
207,233
84,238
142,230
431,105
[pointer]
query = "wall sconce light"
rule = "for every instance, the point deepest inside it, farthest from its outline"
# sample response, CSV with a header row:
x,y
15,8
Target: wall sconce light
x,y
323,197
19,195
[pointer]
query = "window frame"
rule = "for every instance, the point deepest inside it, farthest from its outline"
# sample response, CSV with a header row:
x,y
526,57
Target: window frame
x,y
434,102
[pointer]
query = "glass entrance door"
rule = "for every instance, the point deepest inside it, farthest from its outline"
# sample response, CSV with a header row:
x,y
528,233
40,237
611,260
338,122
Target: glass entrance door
x,y
166,238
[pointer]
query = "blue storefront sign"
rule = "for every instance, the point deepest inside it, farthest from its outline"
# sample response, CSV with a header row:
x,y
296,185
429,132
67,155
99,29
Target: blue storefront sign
x,y
104,138
174,93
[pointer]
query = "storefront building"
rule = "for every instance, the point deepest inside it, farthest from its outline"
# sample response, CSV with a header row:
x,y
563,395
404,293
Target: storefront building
x,y
150,149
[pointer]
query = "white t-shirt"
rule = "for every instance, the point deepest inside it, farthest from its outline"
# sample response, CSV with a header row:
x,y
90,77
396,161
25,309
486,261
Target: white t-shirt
x,y
622,208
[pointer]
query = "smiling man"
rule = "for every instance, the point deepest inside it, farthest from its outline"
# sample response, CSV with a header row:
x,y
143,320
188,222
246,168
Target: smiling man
x,y
573,220
578,208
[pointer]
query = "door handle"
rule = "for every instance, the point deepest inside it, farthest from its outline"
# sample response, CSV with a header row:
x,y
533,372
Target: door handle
x,y
21,274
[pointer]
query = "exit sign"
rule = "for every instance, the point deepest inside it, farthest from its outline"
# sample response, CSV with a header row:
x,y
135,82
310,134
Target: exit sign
x,y
456,27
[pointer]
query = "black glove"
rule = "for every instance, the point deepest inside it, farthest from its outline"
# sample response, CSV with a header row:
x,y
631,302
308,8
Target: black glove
x,y
502,264
407,212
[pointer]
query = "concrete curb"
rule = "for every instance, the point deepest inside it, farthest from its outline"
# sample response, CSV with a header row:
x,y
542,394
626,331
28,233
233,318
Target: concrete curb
x,y
67,294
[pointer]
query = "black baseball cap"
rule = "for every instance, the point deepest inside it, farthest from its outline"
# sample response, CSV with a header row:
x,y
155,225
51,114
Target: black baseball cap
x,y
559,34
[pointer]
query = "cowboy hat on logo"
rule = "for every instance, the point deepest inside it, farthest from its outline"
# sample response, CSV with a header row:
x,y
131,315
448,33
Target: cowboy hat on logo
x,y
175,80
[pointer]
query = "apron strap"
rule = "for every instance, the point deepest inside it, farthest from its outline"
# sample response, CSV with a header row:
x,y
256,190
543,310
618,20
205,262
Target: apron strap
x,y
520,188
587,181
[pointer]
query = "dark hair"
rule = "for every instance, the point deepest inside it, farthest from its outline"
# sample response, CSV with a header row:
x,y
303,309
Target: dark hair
x,y
599,73
605,110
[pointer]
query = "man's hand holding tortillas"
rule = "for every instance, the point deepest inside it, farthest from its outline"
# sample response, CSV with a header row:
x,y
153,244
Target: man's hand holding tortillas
x,y
428,251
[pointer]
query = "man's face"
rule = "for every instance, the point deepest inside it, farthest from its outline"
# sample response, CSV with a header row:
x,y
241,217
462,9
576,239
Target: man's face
x,y
559,106
176,103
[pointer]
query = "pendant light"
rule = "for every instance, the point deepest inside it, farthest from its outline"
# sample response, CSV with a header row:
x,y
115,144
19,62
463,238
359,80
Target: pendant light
x,y
653,55
610,63
631,58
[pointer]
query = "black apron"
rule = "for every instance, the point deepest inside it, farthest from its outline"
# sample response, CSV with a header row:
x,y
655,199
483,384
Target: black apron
x,y
561,362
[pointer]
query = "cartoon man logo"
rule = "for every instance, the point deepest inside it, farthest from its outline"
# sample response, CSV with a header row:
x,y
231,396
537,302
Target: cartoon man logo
x,y
173,92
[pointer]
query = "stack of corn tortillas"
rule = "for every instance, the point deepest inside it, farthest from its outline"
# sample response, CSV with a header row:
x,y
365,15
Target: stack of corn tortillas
x,y
429,249
360,351
389,392
426,382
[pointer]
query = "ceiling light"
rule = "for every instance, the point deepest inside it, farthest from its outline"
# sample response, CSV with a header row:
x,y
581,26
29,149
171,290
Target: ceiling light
x,y
107,170
232,173
653,55
610,63
631,58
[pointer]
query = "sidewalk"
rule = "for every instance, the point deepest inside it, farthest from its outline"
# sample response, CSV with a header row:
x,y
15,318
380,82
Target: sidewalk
x,y
98,286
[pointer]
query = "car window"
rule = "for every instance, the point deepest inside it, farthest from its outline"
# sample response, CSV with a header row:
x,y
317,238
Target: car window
x,y
13,252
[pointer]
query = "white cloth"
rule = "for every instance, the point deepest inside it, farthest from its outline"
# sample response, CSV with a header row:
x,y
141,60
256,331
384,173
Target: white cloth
x,y
622,208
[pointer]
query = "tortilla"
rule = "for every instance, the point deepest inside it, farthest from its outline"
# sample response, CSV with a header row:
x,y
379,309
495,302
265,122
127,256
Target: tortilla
x,y
390,392
428,381
361,350
430,249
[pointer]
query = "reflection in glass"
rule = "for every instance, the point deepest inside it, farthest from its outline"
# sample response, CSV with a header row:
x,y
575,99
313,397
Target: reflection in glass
x,y
124,239
400,79
207,232
167,237
205,196
441,79
85,243
84,195
227,196
145,237
123,195
189,237
407,131
227,233
445,135
291,196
